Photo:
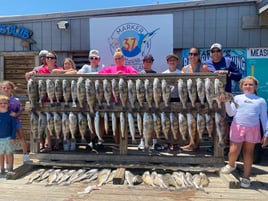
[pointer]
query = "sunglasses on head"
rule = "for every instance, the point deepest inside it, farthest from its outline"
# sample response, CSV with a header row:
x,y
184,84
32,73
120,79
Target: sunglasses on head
x,y
51,57
94,58
193,54
213,51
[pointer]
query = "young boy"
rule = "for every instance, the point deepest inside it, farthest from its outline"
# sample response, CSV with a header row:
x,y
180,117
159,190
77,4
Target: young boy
x,y
7,134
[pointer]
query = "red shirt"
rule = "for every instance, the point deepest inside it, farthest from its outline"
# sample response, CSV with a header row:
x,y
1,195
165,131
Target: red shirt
x,y
44,69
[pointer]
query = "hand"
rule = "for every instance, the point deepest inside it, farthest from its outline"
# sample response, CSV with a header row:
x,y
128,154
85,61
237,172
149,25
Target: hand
x,y
264,142
222,72
222,98
29,75
13,114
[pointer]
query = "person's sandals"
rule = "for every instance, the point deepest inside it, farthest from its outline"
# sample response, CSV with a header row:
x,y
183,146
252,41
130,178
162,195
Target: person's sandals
x,y
227,169
245,183
46,149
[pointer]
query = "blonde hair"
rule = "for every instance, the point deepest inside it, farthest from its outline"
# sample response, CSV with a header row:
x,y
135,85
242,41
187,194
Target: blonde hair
x,y
11,84
256,82
118,52
5,98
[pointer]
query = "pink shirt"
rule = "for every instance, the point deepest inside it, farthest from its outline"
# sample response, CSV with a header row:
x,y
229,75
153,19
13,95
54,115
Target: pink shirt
x,y
44,70
116,69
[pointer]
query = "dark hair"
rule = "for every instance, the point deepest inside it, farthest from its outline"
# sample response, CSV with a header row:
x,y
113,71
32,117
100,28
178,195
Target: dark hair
x,y
198,52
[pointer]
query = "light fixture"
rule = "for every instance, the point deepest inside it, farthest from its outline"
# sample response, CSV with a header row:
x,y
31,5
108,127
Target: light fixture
x,y
63,25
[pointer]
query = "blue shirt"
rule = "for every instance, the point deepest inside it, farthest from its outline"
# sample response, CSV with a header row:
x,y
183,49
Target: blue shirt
x,y
225,63
7,125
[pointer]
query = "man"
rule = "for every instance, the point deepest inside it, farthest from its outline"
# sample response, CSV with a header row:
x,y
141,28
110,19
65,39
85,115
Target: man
x,y
148,61
223,65
94,66
42,57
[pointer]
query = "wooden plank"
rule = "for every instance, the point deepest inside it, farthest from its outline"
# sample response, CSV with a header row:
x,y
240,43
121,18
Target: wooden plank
x,y
19,172
119,176
231,180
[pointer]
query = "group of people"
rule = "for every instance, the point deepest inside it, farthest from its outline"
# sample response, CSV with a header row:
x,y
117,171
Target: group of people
x,y
247,111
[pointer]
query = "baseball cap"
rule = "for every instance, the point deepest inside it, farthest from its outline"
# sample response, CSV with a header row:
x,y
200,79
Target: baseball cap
x,y
148,57
43,53
94,53
172,56
216,45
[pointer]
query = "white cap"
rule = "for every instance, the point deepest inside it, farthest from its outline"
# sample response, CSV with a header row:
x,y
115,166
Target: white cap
x,y
43,53
94,53
216,45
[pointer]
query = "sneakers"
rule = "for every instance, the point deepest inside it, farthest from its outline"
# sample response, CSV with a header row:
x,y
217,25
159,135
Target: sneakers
x,y
157,147
141,146
25,157
245,183
99,146
227,169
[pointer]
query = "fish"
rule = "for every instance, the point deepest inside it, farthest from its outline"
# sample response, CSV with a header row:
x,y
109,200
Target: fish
x,y
192,129
157,92
115,90
90,94
122,124
179,178
132,97
157,124
131,125
158,180
81,91
90,123
147,179
189,179
50,86
140,91
88,174
166,91
137,179
35,175
45,175
41,91
220,128
174,125
97,126
200,125
165,123
169,180
204,180
32,91
50,123
191,88
218,89
65,126
140,124
147,128
82,125
114,123
129,177
73,124
58,90
99,92
148,87
107,89
42,123
74,176
103,176
209,124
66,91
182,125
123,92
52,178
106,122
61,174
209,91
34,124
182,90
196,178
88,189
200,88
66,176
57,124
111,176
74,92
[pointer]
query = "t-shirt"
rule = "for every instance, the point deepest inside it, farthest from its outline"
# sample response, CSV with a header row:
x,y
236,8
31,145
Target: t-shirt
x,y
87,69
147,71
174,89
116,69
7,125
15,106
44,70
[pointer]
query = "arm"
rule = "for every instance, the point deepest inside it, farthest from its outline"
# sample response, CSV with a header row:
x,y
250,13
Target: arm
x,y
233,72
13,128
263,117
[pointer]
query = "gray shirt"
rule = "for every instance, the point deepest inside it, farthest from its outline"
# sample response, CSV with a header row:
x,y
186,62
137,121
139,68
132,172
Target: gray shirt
x,y
87,69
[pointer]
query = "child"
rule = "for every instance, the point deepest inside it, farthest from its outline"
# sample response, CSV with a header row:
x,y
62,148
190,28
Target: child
x,y
7,89
7,134
248,110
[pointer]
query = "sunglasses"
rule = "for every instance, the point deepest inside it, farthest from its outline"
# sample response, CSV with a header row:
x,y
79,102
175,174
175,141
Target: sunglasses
x,y
94,58
118,58
213,51
193,54
51,57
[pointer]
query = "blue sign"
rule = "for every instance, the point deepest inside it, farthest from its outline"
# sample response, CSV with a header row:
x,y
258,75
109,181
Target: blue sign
x,y
16,31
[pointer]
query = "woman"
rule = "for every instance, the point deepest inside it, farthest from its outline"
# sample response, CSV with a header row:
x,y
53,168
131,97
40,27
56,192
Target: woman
x,y
69,67
195,66
119,68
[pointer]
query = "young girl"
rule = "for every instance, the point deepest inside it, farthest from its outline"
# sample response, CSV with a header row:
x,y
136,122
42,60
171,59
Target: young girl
x,y
7,89
248,110
7,134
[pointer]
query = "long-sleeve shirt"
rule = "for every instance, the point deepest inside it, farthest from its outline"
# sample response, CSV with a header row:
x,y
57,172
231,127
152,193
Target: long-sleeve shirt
x,y
7,125
248,110
225,63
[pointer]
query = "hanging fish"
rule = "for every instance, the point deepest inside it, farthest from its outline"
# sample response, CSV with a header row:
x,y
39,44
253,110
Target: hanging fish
x,y
34,124
99,92
42,123
209,124
191,88
90,95
122,124
165,122
58,91
82,125
66,91
182,125
132,97
174,125
157,125
73,125
165,92
57,125
123,92
41,91
140,91
106,122
90,123
65,126
74,92
140,124
50,86
201,125
220,128
50,123
107,88
114,123
115,90
157,92
191,124
209,90
32,91
182,90
131,126
148,87
200,87
97,126
81,91
219,89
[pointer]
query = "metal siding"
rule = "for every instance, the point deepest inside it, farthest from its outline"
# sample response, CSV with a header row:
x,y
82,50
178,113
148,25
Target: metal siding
x,y
221,26
9,43
56,37
75,34
188,28
199,28
46,36
84,35
178,29
210,27
264,38
37,36
233,27
66,37
243,35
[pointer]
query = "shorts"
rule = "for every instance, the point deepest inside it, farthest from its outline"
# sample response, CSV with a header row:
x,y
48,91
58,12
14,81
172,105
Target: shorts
x,y
5,146
240,133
